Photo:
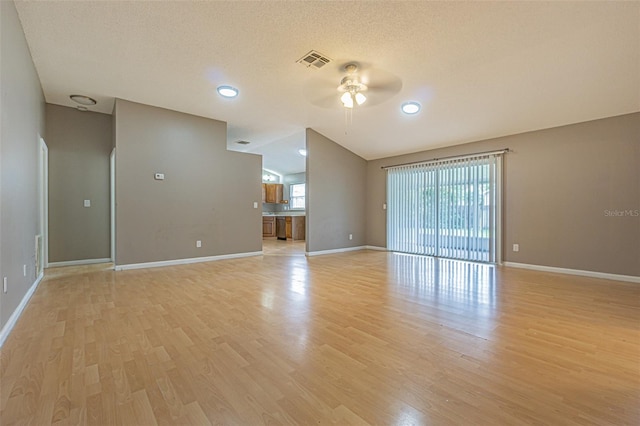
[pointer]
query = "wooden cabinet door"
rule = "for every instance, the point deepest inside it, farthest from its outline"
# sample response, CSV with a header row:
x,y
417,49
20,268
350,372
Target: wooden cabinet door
x,y
298,228
271,193
269,226
264,192
289,227
274,192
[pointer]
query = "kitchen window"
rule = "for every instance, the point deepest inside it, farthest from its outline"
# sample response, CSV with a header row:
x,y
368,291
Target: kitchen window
x,y
296,196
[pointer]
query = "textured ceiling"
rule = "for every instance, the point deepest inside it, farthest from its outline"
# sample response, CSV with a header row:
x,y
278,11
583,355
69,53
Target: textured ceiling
x,y
480,69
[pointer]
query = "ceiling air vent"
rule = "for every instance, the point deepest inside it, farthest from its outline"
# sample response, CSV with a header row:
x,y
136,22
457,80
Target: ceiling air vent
x,y
314,59
243,142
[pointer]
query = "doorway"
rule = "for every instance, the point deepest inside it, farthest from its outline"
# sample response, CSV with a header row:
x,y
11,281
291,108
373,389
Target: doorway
x,y
112,204
42,239
284,165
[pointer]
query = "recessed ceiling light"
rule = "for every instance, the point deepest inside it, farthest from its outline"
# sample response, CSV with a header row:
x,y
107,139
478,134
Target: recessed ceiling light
x,y
227,91
83,100
411,107
302,152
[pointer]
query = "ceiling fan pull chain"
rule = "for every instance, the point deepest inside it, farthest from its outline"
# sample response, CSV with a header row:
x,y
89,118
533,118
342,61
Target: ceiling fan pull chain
x,y
348,119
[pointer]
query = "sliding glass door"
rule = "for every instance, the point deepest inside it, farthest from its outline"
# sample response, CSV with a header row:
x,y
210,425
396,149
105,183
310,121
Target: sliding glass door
x,y
446,208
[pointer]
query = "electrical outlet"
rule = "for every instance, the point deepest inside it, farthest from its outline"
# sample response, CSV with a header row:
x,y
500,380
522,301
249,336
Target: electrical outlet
x,y
516,247
158,176
351,236
24,270
198,244
5,285
87,203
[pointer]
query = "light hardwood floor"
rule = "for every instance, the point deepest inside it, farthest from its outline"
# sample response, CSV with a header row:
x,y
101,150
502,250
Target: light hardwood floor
x,y
356,338
271,246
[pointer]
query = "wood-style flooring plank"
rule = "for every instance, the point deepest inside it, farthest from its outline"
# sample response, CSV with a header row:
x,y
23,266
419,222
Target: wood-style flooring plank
x,y
357,338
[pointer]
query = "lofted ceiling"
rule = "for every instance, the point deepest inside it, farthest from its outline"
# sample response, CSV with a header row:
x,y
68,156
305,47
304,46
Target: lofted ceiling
x,y
479,69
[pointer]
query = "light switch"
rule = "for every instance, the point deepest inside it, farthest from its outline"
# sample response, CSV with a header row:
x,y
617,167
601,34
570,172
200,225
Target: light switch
x,y
255,204
384,206
87,203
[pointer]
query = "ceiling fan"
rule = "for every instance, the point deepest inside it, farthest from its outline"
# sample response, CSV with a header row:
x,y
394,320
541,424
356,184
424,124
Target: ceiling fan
x,y
351,88
353,84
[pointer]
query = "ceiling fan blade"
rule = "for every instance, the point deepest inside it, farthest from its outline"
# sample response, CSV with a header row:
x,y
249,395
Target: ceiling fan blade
x,y
322,89
322,94
379,78
379,92
385,91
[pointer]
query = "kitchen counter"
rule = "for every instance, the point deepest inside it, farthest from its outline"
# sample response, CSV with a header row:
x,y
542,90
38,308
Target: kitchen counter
x,y
289,213
284,225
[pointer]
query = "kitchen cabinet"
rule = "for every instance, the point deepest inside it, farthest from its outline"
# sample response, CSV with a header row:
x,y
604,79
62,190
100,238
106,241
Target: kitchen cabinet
x,y
268,226
284,227
295,227
288,226
272,192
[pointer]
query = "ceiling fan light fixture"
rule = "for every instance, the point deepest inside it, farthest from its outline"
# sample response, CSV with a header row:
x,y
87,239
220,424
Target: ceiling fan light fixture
x,y
347,100
352,88
411,107
227,91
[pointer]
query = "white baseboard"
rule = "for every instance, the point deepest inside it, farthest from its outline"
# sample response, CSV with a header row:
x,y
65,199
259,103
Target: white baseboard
x,y
16,314
185,261
592,274
376,248
78,262
333,251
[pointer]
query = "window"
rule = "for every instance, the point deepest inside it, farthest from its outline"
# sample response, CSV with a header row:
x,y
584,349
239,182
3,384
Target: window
x,y
296,196
446,208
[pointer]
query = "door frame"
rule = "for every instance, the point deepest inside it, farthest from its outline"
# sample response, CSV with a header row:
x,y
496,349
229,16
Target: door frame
x,y
112,204
43,189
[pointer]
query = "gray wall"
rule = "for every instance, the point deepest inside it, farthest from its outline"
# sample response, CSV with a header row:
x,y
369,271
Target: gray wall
x,y
79,147
336,184
557,185
287,180
22,121
208,192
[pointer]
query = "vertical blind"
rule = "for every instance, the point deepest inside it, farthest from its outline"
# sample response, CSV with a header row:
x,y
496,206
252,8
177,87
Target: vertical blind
x,y
447,208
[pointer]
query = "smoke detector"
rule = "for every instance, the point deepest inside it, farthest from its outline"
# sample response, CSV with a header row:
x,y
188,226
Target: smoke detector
x,y
83,100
